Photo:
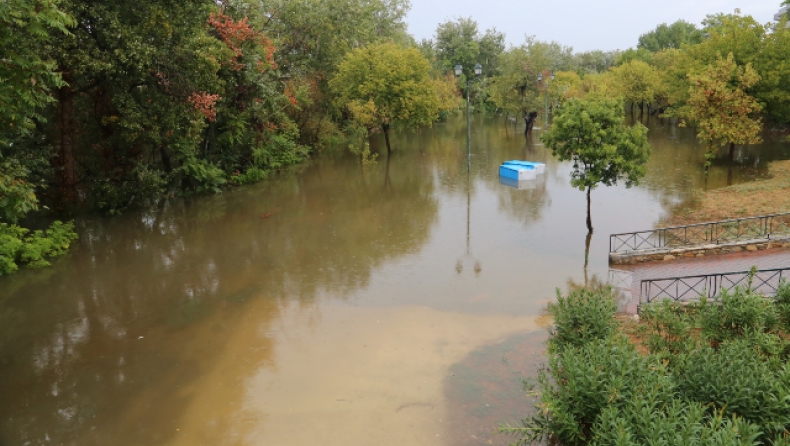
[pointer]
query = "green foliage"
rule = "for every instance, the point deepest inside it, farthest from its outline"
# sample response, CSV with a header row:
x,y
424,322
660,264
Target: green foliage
x,y
385,85
637,82
670,36
695,386
27,75
593,135
719,106
19,246
591,132
17,194
737,313
582,316
133,101
460,42
667,327
736,380
783,304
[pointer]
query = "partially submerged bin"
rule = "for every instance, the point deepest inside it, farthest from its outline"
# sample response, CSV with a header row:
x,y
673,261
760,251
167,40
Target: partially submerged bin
x,y
539,167
517,172
515,184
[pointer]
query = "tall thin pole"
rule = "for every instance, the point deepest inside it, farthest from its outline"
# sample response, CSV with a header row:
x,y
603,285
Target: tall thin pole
x,y
468,132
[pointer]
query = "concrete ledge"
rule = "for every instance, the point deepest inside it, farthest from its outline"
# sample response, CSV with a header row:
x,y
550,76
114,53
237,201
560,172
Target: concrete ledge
x,y
673,253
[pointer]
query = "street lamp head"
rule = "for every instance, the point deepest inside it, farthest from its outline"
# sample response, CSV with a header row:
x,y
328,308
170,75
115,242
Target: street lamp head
x,y
478,70
552,75
458,70
540,77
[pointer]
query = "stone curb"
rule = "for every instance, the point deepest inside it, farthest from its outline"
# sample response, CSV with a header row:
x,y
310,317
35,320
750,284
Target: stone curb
x,y
666,254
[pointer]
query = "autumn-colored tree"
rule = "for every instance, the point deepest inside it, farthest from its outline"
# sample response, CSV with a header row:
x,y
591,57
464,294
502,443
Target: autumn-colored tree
x,y
719,107
384,86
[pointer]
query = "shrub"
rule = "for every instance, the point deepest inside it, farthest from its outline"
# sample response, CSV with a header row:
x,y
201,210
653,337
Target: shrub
x,y
782,303
736,312
17,247
668,326
584,315
716,374
736,380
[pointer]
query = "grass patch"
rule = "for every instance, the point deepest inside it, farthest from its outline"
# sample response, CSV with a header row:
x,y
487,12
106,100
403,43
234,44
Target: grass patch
x,y
762,197
710,373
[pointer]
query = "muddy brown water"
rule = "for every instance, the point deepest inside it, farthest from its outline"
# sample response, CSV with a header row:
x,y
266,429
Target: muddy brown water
x,y
400,303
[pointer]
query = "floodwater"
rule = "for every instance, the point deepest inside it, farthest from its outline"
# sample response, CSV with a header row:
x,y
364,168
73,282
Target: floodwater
x,y
399,303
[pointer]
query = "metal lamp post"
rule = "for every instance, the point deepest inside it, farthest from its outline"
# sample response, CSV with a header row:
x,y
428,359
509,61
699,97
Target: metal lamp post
x,y
478,71
540,79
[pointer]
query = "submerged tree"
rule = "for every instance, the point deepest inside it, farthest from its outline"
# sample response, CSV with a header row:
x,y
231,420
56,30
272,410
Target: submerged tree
x,y
720,108
384,86
592,133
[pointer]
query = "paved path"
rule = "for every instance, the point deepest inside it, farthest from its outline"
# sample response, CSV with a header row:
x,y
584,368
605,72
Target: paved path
x,y
628,277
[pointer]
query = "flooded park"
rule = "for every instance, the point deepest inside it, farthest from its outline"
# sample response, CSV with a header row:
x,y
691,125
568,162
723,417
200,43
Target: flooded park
x,y
402,302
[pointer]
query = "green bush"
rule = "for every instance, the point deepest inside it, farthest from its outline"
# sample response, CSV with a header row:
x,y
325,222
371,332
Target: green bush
x,y
583,316
736,380
669,324
17,247
782,303
735,313
716,374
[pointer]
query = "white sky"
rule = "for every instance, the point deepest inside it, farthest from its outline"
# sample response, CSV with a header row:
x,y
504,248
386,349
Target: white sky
x,y
583,24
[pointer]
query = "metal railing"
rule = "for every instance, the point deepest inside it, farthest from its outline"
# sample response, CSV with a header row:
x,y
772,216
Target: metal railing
x,y
713,233
691,288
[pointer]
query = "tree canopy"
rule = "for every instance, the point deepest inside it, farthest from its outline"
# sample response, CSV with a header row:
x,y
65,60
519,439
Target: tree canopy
x,y
719,107
384,85
591,132
670,36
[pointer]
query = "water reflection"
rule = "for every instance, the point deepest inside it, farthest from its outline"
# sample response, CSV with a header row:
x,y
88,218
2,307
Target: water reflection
x,y
322,298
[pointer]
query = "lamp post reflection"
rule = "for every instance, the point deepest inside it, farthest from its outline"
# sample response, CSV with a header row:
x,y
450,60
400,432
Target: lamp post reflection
x,y
459,266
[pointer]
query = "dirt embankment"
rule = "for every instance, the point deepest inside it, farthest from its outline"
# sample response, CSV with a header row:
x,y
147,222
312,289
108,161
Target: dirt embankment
x,y
769,196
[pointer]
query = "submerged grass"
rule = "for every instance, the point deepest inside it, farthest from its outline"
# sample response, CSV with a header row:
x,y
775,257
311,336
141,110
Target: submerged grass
x,y
762,197
710,373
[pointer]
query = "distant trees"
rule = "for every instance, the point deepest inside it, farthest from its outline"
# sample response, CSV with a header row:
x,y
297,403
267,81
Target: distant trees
x,y
637,83
670,36
591,133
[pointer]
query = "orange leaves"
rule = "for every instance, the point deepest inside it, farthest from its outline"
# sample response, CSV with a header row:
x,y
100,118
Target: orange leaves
x,y
205,104
235,33
290,95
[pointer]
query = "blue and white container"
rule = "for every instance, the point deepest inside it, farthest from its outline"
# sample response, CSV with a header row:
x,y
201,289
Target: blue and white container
x,y
517,172
539,167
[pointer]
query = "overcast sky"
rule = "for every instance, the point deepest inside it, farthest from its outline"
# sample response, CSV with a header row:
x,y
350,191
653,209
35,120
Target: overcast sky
x,y
583,24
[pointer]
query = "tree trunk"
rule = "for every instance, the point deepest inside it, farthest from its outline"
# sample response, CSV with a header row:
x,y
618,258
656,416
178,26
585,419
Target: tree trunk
x,y
386,129
529,120
589,219
587,255
165,159
732,152
65,133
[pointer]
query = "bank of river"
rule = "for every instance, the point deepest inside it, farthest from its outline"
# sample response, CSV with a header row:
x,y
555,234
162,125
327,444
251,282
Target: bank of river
x,y
399,303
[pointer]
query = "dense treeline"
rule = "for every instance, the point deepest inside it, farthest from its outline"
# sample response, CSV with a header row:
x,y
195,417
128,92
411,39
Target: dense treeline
x,y
110,104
